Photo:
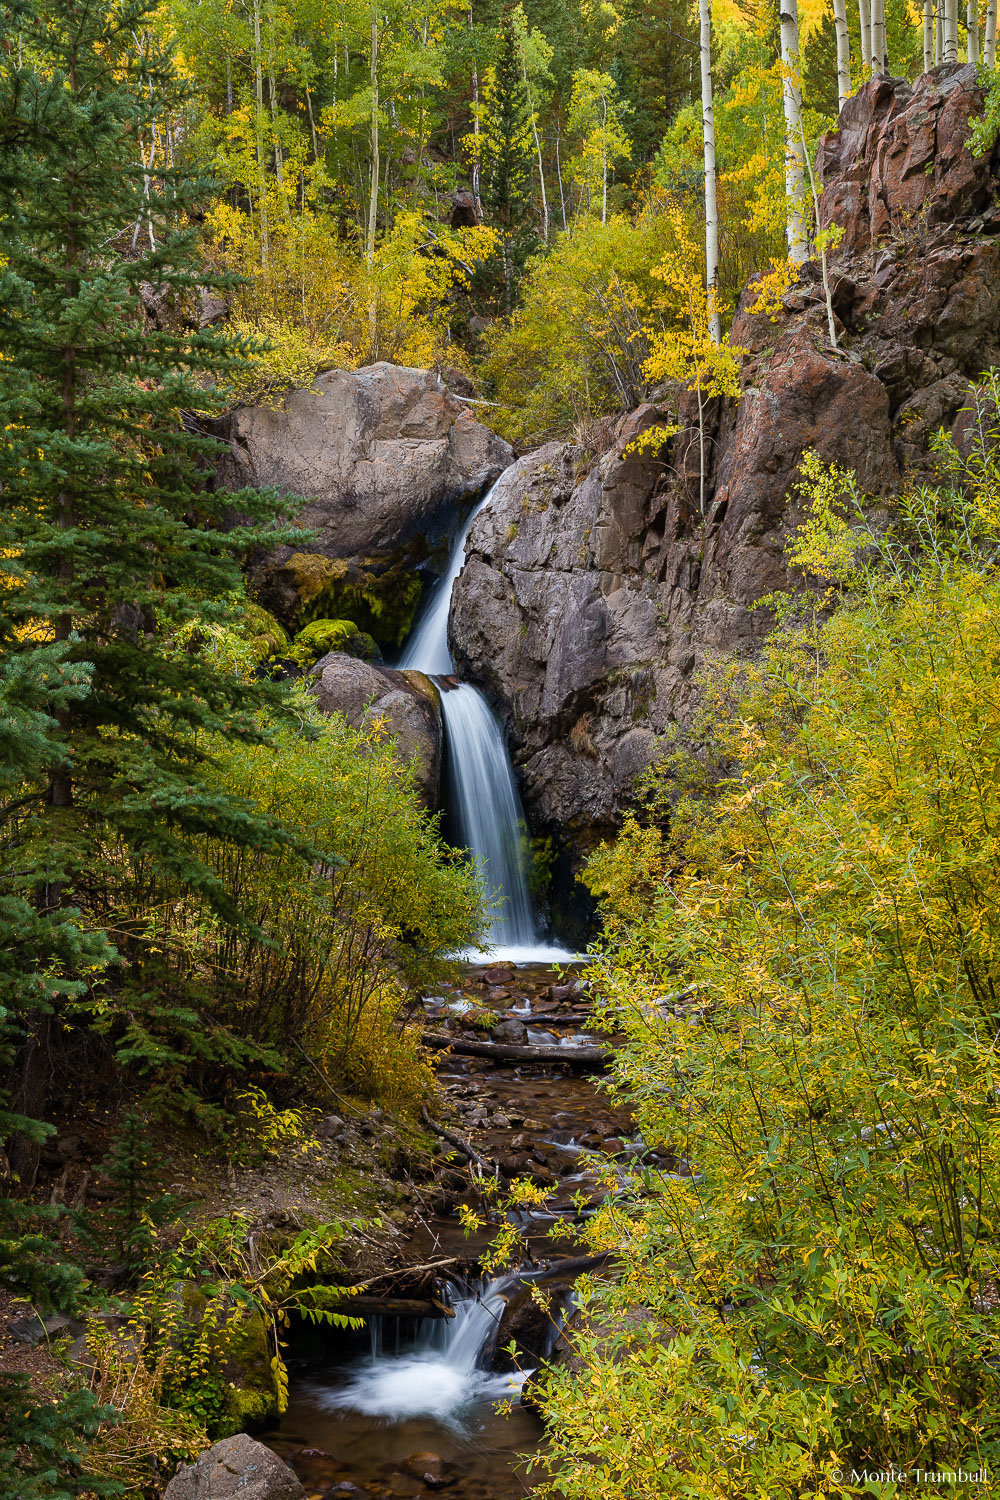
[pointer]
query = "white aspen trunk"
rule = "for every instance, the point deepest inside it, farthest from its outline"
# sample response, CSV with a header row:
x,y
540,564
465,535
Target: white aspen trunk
x,y
928,35
538,151
972,26
711,202
950,31
880,60
798,238
265,239
865,15
475,132
843,52
938,32
559,177
604,163
990,38
373,193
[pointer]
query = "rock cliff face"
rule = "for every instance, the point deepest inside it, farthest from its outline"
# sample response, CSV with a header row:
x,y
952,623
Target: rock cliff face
x,y
382,456
594,593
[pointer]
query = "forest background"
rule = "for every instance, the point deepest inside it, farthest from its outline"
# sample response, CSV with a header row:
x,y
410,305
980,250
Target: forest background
x,y
220,905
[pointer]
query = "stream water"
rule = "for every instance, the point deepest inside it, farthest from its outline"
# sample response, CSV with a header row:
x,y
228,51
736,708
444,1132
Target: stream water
x,y
435,1404
483,799
410,1407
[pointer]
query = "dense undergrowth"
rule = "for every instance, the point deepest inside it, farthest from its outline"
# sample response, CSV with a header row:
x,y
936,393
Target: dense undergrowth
x,y
811,1295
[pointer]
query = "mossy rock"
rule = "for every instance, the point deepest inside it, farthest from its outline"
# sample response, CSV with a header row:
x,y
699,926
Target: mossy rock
x,y
381,604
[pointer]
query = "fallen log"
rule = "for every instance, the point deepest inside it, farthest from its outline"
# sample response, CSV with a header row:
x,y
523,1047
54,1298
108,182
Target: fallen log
x,y
505,1052
573,1266
393,1307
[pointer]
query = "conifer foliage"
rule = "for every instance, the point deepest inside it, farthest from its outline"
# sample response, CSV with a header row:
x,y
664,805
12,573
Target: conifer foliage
x,y
110,537
507,161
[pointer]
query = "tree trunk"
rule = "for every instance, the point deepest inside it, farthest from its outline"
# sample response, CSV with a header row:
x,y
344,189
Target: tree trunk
x,y
798,240
928,35
538,153
373,192
990,38
711,203
865,15
843,52
604,164
950,31
265,238
475,131
505,1052
972,26
880,58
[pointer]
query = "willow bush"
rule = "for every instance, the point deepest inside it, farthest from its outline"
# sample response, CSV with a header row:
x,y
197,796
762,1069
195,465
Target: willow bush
x,y
336,930
811,1295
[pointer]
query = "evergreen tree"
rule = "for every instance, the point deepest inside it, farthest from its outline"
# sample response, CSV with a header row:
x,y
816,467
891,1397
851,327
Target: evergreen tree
x,y
819,67
508,161
111,537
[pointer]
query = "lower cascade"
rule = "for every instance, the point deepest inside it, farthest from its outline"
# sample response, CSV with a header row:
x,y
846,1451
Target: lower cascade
x,y
489,818
441,1374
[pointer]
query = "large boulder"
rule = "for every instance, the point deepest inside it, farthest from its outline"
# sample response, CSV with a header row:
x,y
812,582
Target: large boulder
x,y
383,457
598,591
238,1467
406,704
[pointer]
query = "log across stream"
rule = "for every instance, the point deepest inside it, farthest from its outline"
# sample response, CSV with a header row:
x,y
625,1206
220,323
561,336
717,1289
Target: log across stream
x,y
417,1403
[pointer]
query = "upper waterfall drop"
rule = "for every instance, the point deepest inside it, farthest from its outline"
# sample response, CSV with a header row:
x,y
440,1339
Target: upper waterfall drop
x,y
484,800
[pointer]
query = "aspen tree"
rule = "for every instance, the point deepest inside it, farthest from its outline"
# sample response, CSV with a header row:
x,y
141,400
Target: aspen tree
x,y
972,28
711,204
928,35
843,52
373,193
791,89
950,31
865,15
990,37
880,60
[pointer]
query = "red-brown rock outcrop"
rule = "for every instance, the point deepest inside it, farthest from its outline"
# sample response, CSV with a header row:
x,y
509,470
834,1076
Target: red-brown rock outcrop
x,y
595,593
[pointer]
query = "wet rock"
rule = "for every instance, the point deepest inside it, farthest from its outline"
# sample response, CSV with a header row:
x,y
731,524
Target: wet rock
x,y
383,455
498,976
406,703
239,1467
531,1326
513,1032
330,1127
420,1465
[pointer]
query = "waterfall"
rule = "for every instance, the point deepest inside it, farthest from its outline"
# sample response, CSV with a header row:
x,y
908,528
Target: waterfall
x,y
488,816
441,1373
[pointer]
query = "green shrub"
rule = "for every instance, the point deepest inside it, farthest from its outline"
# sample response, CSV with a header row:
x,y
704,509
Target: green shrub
x,y
810,1293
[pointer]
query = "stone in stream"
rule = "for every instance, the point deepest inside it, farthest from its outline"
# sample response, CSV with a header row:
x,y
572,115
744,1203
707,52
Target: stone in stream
x,y
515,1033
238,1467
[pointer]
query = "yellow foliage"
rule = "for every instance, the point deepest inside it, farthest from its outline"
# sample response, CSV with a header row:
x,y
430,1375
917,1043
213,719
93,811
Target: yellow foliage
x,y
817,1270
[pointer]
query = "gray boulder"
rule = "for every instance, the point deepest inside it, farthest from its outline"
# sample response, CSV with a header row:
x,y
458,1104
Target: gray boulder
x,y
382,455
407,702
239,1467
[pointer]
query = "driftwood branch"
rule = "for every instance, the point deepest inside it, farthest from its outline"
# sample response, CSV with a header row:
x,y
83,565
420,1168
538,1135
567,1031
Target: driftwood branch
x,y
504,1052
454,1140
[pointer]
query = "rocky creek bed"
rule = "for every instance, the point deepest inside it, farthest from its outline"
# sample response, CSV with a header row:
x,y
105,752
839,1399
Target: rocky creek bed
x,y
411,1407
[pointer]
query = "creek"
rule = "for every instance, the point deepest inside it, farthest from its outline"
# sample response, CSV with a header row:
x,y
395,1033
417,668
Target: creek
x,y
372,1415
413,1406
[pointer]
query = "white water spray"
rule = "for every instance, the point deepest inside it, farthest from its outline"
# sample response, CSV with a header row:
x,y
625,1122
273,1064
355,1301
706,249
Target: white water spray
x,y
441,1374
484,800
